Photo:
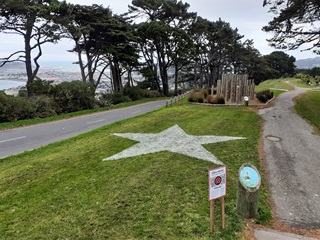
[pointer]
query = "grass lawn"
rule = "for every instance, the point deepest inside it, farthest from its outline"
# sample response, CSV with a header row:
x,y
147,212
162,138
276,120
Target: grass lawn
x,y
276,86
308,106
29,122
299,83
66,191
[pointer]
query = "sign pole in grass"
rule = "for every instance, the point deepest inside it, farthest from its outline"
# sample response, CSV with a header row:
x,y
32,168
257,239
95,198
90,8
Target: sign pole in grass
x,y
223,225
217,189
211,216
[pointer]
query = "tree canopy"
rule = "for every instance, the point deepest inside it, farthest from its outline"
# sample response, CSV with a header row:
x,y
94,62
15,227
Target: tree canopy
x,y
170,46
282,63
38,23
296,23
104,39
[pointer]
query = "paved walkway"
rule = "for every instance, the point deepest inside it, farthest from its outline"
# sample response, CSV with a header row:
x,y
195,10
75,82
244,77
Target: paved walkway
x,y
292,158
268,234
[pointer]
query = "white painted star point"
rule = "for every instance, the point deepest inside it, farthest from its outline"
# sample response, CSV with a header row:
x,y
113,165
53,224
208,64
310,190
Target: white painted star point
x,y
173,139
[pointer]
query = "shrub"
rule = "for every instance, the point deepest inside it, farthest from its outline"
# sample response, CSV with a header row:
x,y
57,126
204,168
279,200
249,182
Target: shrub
x,y
134,93
152,94
73,96
205,93
119,98
25,108
215,99
23,92
40,87
45,107
105,99
196,96
211,99
264,96
15,108
220,100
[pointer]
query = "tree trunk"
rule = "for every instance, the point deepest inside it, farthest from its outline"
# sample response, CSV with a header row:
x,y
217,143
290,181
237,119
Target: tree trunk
x,y
156,80
28,63
89,68
116,76
82,68
163,70
176,75
164,76
165,82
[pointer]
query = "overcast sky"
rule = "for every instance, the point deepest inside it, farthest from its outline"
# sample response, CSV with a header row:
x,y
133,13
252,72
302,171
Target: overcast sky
x,y
249,16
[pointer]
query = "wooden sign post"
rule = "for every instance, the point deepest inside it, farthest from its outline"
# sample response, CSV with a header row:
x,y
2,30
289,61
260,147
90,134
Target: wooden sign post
x,y
248,191
217,189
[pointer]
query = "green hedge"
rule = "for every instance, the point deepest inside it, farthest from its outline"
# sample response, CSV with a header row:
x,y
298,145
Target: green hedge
x,y
264,96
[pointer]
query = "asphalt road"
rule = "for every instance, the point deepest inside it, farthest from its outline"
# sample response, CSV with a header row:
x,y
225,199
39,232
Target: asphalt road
x,y
18,140
292,158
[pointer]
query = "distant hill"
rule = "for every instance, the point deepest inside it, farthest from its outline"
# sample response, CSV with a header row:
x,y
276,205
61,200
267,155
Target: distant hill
x,y
12,66
308,63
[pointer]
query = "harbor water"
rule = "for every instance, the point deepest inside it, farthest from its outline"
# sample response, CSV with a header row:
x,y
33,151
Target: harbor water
x,y
7,84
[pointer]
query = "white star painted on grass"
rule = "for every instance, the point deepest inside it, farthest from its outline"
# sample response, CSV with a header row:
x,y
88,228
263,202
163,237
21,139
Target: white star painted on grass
x,y
173,139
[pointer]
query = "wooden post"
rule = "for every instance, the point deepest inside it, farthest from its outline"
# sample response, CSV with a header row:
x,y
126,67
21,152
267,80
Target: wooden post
x,y
223,225
252,91
248,194
211,216
219,88
223,86
238,98
232,88
228,86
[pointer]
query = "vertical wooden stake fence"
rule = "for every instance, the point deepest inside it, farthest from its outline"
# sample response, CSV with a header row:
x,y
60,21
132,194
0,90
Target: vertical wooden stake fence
x,y
233,88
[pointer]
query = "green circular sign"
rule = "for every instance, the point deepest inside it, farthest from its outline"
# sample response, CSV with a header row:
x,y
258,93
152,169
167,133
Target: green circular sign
x,y
250,177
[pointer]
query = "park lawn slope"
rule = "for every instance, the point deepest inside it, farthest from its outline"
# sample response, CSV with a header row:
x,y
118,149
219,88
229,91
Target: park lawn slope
x,y
277,86
308,106
66,191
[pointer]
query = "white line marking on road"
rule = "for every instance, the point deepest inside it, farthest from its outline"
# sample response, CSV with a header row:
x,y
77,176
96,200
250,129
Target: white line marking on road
x,y
136,112
12,139
101,120
158,106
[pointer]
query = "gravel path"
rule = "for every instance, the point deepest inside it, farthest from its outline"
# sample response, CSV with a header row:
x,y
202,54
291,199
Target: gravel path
x,y
292,157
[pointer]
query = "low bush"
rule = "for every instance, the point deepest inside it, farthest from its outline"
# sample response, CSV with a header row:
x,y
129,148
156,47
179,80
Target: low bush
x,y
205,93
211,99
134,93
120,98
40,87
45,106
214,99
196,97
264,96
152,94
105,99
73,96
220,100
16,108
204,96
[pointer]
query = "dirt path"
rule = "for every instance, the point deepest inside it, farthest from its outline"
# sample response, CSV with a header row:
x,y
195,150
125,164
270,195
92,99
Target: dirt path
x,y
292,158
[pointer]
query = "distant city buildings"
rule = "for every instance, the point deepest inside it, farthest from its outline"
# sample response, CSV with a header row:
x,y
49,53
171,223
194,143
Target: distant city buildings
x,y
45,74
